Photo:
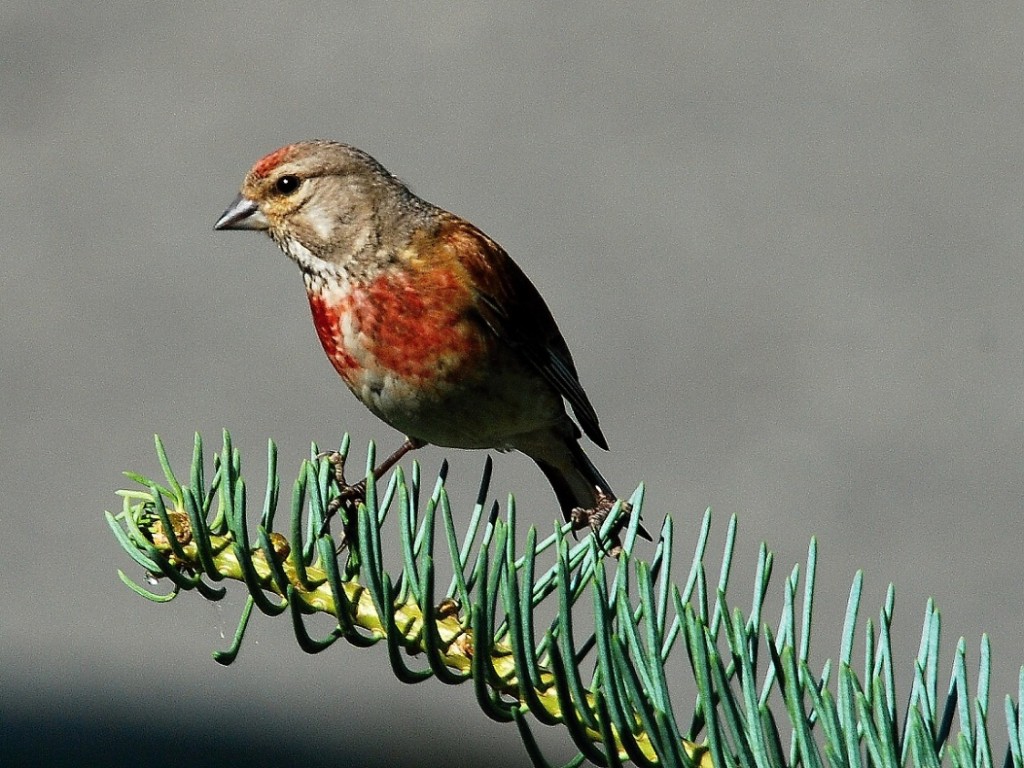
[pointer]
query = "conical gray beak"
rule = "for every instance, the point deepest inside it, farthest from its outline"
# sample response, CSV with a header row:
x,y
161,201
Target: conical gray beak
x,y
243,213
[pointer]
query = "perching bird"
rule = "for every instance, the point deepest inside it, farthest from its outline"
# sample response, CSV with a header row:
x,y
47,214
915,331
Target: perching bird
x,y
429,322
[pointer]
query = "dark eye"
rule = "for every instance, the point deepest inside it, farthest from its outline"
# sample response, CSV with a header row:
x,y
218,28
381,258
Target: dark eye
x,y
287,184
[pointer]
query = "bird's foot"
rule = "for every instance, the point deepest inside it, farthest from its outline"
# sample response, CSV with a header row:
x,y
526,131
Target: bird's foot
x,y
349,497
593,518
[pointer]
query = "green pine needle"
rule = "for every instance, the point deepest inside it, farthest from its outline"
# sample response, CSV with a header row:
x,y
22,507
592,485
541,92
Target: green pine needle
x,y
623,619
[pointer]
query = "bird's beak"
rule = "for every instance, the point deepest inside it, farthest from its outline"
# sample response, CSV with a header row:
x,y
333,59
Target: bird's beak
x,y
243,213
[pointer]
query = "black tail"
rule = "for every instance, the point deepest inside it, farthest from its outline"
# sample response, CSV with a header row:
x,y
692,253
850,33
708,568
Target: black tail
x,y
577,486
568,498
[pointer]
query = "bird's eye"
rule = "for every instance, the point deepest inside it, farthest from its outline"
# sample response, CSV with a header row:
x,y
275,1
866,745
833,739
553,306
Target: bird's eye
x,y
287,184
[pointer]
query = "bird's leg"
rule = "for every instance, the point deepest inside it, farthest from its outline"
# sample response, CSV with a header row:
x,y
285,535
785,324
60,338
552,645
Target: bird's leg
x,y
594,517
350,496
410,444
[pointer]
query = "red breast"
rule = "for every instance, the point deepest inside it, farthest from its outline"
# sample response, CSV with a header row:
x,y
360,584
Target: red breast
x,y
412,319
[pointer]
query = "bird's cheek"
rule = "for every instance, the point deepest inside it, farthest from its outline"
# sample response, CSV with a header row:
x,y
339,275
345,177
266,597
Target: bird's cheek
x,y
322,224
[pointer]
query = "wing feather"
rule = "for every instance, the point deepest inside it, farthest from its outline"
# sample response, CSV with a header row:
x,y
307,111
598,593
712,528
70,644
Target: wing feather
x,y
514,310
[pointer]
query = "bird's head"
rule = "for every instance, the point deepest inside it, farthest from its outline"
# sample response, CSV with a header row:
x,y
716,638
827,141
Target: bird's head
x,y
322,201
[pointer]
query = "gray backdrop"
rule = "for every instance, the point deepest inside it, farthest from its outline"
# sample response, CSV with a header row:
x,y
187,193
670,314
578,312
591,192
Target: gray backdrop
x,y
783,241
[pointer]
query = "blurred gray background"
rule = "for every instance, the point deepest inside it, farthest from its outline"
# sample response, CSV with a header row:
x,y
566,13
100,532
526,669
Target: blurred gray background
x,y
783,241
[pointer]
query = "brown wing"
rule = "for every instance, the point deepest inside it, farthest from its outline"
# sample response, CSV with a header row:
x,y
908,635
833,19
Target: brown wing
x,y
513,309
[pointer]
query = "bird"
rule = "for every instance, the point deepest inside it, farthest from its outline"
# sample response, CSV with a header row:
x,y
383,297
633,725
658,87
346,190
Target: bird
x,y
428,321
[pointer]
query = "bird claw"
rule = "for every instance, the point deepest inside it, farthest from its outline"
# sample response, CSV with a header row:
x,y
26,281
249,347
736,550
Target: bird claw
x,y
351,496
593,518
348,499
